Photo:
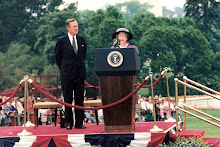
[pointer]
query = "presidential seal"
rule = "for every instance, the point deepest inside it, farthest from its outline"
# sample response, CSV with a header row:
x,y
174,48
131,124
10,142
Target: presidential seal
x,y
115,59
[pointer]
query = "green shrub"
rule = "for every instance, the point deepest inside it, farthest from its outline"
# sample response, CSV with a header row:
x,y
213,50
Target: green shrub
x,y
190,142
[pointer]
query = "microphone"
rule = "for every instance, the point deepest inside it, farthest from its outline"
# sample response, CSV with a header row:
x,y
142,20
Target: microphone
x,y
116,42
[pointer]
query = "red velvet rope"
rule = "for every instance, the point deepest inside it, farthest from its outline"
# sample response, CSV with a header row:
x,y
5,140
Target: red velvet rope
x,y
155,83
13,94
88,108
48,89
6,94
97,87
144,86
87,84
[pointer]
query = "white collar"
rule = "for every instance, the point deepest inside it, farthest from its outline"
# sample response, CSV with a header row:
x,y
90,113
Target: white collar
x,y
70,36
125,46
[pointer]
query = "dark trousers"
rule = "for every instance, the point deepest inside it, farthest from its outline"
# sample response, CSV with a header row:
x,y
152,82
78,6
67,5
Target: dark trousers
x,y
69,87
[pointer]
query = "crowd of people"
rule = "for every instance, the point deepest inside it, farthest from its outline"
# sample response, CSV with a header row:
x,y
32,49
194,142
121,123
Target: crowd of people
x,y
14,110
144,108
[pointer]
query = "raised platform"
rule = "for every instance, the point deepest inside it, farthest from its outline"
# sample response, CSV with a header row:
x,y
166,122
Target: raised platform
x,y
197,133
93,135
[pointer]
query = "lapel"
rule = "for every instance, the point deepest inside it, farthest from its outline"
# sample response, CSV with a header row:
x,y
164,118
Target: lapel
x,y
68,40
78,41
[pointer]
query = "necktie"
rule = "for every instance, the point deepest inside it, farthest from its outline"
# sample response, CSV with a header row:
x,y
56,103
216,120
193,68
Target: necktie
x,y
74,46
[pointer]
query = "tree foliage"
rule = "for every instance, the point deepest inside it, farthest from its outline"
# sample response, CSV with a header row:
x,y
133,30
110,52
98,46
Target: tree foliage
x,y
173,43
206,14
27,46
15,15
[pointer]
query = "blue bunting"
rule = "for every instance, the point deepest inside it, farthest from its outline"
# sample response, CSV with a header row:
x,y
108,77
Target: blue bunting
x,y
9,141
109,140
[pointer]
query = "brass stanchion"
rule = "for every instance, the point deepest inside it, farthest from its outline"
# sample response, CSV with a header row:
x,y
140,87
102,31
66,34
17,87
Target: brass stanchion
x,y
184,115
176,100
155,128
170,119
25,132
28,124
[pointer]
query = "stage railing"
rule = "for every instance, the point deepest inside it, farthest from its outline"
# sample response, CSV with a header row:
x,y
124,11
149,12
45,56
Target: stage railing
x,y
185,106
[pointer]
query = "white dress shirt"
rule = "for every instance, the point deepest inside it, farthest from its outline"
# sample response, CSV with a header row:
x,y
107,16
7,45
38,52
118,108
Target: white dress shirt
x,y
71,38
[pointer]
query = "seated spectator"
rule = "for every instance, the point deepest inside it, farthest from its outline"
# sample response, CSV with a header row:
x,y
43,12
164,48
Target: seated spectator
x,y
166,109
161,109
19,110
143,106
100,114
12,108
1,113
43,116
150,109
7,113
50,112
87,116
92,118
138,109
2,116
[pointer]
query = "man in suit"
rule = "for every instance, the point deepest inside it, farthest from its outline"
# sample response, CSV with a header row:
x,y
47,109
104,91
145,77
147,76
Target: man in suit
x,y
70,53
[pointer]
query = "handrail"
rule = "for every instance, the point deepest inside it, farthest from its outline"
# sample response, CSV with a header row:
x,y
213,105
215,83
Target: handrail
x,y
200,85
203,113
185,84
199,117
195,88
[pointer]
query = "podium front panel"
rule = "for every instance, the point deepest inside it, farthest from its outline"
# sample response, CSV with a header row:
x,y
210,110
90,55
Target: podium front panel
x,y
129,66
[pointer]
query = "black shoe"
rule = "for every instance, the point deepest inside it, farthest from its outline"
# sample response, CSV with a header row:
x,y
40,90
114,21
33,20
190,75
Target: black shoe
x,y
80,127
68,127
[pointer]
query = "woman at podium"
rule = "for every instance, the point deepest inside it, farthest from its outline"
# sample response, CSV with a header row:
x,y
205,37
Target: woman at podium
x,y
121,37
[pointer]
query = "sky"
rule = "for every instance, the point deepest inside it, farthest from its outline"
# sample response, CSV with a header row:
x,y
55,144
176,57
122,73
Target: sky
x,y
99,4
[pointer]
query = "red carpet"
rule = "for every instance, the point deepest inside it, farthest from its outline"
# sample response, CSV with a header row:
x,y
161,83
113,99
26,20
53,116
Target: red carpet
x,y
52,136
90,129
58,137
214,141
191,133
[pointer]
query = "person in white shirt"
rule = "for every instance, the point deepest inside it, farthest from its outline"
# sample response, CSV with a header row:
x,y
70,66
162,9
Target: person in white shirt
x,y
43,115
19,110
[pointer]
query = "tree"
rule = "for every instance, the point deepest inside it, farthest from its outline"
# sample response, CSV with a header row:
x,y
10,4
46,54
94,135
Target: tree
x,y
164,51
173,43
99,33
3,79
206,14
52,26
214,76
197,53
20,61
16,15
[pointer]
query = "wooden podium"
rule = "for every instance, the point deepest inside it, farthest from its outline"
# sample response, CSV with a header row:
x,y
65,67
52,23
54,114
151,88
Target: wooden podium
x,y
117,71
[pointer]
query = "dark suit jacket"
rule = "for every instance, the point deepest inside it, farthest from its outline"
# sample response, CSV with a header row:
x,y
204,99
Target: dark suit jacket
x,y
68,62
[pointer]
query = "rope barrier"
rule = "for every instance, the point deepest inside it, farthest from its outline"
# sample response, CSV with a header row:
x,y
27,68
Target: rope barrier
x,y
87,84
88,108
49,89
155,83
97,87
144,86
13,93
6,94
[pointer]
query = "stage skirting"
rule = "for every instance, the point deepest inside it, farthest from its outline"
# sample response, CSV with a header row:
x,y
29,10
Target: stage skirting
x,y
51,136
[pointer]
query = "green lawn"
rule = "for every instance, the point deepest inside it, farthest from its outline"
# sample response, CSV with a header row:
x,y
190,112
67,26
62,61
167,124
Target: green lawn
x,y
144,91
193,123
